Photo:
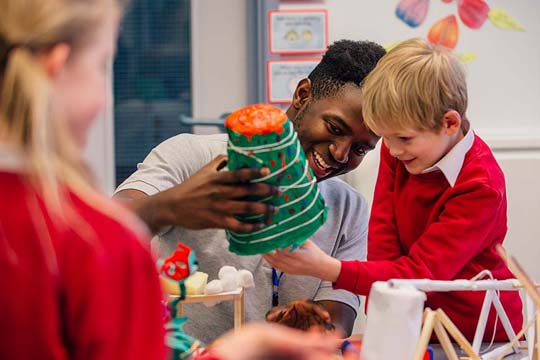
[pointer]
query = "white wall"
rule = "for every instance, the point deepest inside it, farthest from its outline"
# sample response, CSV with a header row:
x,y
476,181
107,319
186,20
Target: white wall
x,y
504,80
219,57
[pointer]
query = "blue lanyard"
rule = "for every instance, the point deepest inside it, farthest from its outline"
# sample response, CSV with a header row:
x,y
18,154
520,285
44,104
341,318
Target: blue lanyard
x,y
275,287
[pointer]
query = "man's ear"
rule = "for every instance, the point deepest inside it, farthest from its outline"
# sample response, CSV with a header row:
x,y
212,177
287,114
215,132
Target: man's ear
x,y
302,94
451,122
54,59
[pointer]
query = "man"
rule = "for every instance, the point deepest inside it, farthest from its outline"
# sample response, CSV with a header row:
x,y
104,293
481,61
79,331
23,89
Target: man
x,y
326,111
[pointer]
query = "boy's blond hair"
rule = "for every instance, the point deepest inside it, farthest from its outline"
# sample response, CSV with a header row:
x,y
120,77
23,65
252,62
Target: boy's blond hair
x,y
412,87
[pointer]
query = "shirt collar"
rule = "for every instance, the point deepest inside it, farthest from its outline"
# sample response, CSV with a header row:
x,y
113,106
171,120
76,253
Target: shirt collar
x,y
451,163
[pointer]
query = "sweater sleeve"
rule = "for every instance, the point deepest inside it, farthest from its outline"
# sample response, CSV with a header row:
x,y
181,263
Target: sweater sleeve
x,y
383,240
462,231
171,163
111,302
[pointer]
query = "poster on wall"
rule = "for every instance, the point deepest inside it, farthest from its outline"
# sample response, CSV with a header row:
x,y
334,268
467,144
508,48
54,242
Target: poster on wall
x,y
298,31
284,75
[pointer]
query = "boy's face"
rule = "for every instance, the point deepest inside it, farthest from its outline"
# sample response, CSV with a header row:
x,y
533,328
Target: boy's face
x,y
418,149
333,134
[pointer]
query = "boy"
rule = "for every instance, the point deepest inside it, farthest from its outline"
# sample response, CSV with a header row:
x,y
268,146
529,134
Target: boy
x,y
439,207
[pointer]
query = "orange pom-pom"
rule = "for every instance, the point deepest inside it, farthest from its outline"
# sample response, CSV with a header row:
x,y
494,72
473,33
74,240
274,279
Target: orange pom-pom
x,y
258,119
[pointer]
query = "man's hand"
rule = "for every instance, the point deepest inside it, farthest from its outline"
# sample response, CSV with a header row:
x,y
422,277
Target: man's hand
x,y
308,259
208,199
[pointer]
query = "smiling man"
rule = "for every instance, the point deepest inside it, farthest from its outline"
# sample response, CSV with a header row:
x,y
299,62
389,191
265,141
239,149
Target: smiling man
x,y
327,114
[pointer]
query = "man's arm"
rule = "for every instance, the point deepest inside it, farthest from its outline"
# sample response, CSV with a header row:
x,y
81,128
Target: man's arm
x,y
341,315
208,199
351,217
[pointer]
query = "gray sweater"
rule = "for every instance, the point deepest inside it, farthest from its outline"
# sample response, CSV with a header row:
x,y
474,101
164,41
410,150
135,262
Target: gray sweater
x,y
344,236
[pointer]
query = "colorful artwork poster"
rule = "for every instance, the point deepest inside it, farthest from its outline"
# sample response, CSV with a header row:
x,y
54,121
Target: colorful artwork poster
x,y
284,75
298,31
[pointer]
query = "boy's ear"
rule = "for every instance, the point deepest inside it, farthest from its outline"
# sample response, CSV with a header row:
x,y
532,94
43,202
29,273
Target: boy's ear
x,y
302,94
451,122
54,59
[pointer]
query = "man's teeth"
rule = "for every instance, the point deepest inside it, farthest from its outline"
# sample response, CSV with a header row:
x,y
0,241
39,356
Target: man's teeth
x,y
320,161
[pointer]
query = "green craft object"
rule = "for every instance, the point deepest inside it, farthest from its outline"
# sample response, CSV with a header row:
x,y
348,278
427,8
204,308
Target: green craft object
x,y
302,210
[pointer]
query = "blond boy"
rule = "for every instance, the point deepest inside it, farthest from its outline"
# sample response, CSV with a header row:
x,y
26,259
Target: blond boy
x,y
439,207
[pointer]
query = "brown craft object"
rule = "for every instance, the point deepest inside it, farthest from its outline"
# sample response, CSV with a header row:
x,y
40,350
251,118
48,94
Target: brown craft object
x,y
301,314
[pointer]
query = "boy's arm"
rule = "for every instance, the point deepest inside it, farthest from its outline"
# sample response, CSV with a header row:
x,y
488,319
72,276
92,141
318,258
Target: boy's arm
x,y
464,229
383,243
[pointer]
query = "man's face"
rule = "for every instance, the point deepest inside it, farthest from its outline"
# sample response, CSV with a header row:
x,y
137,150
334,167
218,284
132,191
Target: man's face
x,y
333,134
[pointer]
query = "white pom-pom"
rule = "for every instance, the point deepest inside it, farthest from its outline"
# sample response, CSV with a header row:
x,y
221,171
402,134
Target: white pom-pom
x,y
213,287
229,282
227,270
244,278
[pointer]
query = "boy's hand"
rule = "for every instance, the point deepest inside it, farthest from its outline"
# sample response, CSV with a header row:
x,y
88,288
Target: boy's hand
x,y
308,259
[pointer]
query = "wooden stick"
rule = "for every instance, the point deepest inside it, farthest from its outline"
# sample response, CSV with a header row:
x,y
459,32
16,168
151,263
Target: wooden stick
x,y
444,339
535,285
238,311
179,309
425,335
243,310
515,339
225,296
521,275
536,346
456,334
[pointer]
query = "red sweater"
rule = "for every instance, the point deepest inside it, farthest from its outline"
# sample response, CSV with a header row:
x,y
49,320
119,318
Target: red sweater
x,y
84,291
422,228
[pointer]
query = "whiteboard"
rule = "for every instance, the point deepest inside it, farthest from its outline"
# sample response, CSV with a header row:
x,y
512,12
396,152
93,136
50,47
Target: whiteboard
x,y
504,79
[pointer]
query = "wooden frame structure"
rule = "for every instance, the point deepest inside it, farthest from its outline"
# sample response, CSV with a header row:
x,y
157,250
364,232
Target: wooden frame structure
x,y
236,296
531,305
438,321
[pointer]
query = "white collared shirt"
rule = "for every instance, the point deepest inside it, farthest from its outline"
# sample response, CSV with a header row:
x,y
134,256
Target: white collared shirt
x,y
451,163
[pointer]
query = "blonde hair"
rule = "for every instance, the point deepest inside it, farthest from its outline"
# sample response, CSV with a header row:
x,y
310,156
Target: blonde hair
x,y
412,87
54,162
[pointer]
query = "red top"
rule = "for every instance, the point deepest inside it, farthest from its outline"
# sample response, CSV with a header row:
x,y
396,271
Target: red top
x,y
84,291
421,227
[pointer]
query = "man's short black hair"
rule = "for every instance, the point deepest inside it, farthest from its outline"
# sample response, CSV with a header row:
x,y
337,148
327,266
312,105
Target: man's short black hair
x,y
345,61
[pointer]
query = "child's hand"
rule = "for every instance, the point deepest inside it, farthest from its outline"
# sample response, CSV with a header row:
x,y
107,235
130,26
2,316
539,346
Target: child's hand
x,y
308,259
